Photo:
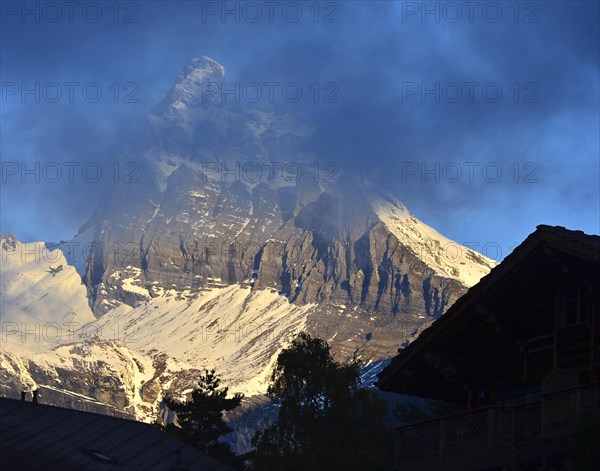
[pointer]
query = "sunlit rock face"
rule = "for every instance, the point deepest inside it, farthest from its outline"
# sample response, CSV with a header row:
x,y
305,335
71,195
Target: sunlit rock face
x,y
222,239
228,195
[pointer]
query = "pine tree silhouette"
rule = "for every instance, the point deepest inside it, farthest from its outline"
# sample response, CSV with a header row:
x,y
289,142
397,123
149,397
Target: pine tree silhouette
x,y
326,421
200,420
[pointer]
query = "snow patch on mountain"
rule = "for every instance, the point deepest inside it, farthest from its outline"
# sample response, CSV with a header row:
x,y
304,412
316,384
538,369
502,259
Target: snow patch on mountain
x,y
95,372
447,257
42,298
234,329
127,360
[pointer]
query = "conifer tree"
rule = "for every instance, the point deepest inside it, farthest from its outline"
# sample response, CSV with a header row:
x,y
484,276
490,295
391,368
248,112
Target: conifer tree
x,y
200,420
325,421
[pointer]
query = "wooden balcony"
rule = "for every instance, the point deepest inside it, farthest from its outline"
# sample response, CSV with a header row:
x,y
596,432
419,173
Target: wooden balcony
x,y
497,435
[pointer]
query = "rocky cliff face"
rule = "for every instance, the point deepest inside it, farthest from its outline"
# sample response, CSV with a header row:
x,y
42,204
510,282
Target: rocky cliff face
x,y
222,241
228,196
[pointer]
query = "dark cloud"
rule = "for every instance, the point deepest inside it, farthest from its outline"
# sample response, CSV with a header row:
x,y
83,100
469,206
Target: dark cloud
x,y
375,128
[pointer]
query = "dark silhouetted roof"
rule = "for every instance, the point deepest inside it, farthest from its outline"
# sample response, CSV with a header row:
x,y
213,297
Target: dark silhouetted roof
x,y
546,239
43,437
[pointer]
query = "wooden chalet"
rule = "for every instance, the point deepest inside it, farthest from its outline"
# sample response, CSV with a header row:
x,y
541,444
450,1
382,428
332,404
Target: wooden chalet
x,y
519,352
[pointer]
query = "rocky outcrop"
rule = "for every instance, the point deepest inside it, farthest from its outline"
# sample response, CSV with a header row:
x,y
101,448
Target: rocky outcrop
x,y
223,239
216,204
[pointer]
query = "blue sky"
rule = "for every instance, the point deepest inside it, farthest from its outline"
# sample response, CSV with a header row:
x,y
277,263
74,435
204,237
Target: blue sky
x,y
483,119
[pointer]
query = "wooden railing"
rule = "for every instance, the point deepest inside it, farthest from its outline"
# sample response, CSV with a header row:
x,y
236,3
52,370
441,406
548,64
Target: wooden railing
x,y
497,426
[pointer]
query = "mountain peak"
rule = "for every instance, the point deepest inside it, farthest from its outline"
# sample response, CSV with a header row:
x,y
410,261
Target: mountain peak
x,y
193,84
201,69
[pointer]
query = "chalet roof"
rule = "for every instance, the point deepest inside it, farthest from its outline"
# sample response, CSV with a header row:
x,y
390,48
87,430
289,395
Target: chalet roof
x,y
38,436
567,239
551,239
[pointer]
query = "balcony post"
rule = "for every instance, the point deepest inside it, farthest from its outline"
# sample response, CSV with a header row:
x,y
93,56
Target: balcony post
x,y
513,427
543,418
397,448
578,402
443,439
491,428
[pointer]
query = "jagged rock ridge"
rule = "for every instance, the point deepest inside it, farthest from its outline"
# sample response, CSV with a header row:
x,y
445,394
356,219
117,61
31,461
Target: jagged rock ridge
x,y
198,219
230,239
